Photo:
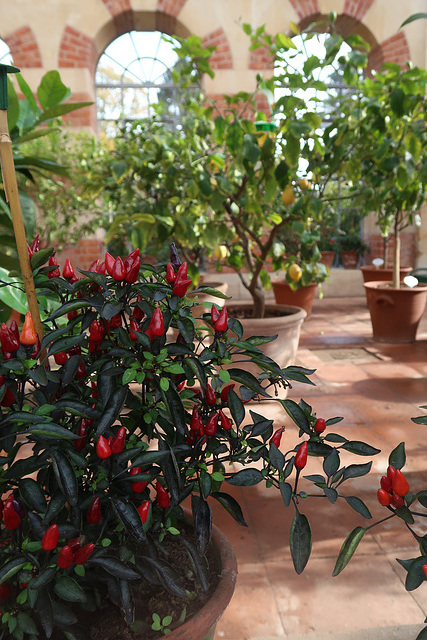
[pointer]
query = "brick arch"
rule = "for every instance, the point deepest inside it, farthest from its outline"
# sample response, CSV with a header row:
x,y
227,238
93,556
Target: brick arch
x,y
221,57
357,8
24,48
77,50
305,8
171,7
394,49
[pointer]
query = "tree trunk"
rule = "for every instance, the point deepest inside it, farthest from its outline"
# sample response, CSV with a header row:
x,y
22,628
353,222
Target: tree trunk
x,y
396,255
258,297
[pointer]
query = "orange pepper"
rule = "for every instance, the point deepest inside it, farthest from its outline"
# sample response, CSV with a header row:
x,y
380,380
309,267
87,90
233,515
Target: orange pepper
x,y
28,333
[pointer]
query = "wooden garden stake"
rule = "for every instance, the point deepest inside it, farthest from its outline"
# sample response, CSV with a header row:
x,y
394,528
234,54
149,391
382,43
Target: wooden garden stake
x,y
12,196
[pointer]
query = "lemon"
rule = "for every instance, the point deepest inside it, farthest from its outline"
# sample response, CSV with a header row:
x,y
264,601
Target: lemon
x,y
220,252
295,272
288,195
304,184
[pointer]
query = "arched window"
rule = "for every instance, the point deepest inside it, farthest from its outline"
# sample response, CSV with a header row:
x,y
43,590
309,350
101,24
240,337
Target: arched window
x,y
133,76
5,55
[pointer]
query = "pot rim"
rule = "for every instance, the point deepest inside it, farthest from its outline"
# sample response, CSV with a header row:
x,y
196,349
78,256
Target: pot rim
x,y
421,287
290,312
305,286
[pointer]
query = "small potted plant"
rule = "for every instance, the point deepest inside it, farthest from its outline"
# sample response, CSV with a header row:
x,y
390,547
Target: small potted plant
x,y
108,430
351,249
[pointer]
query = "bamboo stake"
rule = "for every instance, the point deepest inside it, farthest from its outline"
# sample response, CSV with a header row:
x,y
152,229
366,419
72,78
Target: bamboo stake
x,y
12,196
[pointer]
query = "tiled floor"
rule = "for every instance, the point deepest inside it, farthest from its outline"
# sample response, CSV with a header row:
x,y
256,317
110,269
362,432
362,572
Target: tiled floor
x,y
377,388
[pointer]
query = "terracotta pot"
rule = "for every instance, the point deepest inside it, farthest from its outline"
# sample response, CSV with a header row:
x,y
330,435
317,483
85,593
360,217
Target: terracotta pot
x,y
349,259
287,327
302,297
395,313
327,258
371,273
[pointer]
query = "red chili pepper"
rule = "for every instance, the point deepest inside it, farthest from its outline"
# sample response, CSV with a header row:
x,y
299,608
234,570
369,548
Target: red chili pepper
x,y
384,498
81,442
35,245
81,370
400,484
60,357
8,340
102,268
390,472
11,519
181,386
132,271
53,273
277,436
30,251
94,393
82,555
37,348
71,315
210,395
156,328
397,501
1,509
301,456
144,510
212,424
116,321
138,313
180,287
221,323
131,258
320,425
134,327
137,487
225,391
94,331
65,557
425,569
109,263
163,498
103,449
214,313
170,273
385,483
119,441
94,513
8,398
50,538
28,333
68,271
196,420
118,273
75,544
14,329
5,591
226,423
94,266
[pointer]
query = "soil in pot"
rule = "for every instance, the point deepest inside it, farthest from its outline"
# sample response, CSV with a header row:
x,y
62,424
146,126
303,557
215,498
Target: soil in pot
x,y
302,297
395,313
202,611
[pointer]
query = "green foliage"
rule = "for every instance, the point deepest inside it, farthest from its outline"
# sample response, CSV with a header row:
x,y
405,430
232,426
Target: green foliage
x,y
71,414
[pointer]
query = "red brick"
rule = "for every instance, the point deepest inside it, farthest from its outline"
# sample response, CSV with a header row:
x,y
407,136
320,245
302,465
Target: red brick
x,y
77,50
394,49
24,48
305,8
357,8
171,7
221,57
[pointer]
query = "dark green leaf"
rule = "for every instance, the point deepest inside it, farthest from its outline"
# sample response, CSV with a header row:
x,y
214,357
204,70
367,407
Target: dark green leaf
x,y
286,492
112,410
41,257
297,414
236,407
414,16
63,616
44,609
360,448
356,470
168,576
248,380
114,566
68,589
415,576
202,525
63,344
348,548
300,541
199,564
231,505
10,568
358,505
130,518
331,463
27,624
66,477
44,577
32,494
397,458
52,430
176,409
246,478
277,458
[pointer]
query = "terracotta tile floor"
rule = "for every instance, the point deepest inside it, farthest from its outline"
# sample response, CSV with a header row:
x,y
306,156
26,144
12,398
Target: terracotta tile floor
x,y
377,388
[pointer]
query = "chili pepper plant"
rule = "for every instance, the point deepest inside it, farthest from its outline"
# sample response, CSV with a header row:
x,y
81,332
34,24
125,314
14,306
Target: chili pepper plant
x,y
112,423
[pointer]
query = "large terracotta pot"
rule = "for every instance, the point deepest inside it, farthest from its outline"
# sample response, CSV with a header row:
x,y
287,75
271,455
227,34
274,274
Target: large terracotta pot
x,y
395,313
327,258
349,259
302,297
287,327
370,273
